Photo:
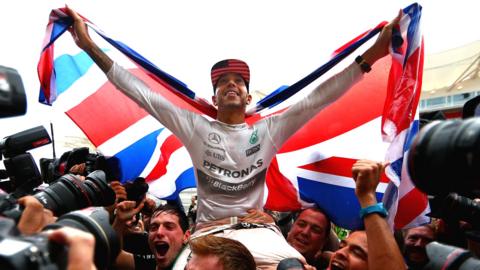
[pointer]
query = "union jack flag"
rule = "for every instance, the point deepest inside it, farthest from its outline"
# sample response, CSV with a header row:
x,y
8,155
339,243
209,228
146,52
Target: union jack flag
x,y
374,120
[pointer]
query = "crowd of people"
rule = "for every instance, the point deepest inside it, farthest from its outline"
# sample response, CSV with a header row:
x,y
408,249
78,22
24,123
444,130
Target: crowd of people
x,y
227,227
163,237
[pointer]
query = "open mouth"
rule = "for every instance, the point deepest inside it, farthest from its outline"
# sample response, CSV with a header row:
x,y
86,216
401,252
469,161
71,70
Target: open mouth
x,y
231,93
336,266
162,248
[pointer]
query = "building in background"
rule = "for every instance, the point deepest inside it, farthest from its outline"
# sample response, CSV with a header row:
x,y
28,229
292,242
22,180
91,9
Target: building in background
x,y
451,78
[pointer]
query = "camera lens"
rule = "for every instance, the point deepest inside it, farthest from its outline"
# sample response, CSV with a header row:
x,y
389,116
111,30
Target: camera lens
x,y
462,208
96,222
70,193
445,157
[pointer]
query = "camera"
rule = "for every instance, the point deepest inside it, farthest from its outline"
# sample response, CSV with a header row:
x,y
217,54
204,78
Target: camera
x,y
444,162
20,167
67,194
13,101
136,189
456,207
449,258
52,169
70,193
36,252
445,157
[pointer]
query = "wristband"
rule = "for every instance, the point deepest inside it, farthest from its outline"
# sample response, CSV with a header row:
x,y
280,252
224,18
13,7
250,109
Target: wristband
x,y
375,208
364,66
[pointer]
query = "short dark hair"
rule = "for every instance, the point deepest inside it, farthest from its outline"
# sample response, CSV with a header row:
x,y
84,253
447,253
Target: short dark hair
x,y
174,210
232,254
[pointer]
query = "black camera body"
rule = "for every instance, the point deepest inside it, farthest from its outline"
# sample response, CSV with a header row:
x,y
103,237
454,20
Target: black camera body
x,y
52,169
13,100
444,162
136,189
82,155
36,252
28,252
20,166
445,157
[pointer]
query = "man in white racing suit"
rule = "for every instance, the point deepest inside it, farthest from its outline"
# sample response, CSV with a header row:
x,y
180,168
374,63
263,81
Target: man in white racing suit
x,y
231,157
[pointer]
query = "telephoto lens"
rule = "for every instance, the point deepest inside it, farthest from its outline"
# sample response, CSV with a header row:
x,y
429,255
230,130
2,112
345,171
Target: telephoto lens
x,y
71,193
34,252
445,157
441,256
94,220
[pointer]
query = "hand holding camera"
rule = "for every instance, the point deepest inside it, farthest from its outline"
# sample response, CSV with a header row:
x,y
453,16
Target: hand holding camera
x,y
34,216
80,247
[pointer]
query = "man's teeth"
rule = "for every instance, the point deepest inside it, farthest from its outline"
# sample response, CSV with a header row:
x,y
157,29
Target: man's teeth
x,y
336,266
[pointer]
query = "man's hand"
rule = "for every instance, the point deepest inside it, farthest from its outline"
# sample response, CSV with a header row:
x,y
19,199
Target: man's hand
x,y
124,212
34,216
366,174
149,206
120,191
82,39
380,48
78,169
81,247
257,216
120,195
79,31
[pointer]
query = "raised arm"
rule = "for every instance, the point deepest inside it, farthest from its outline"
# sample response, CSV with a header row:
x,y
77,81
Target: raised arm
x,y
179,121
383,251
380,48
125,211
282,126
80,34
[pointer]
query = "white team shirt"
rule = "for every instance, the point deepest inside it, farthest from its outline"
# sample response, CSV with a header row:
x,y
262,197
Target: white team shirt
x,y
231,161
